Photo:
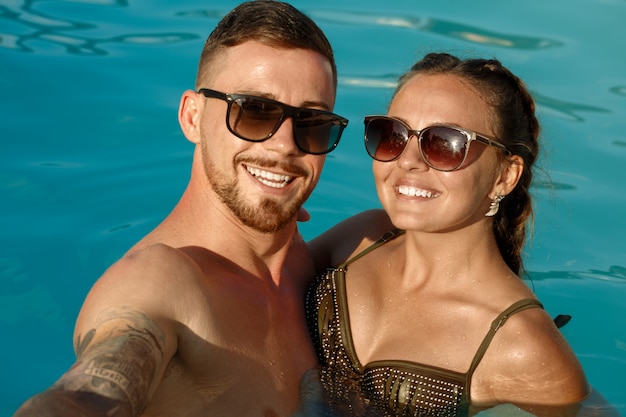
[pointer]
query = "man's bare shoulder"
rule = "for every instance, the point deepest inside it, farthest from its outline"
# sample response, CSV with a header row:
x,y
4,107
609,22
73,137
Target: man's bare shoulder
x,y
157,254
156,280
157,263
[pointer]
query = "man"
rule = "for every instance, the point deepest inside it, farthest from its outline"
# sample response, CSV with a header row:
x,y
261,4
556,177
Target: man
x,y
204,316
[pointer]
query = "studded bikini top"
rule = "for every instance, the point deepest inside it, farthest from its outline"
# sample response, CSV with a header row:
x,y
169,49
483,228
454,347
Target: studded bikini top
x,y
389,387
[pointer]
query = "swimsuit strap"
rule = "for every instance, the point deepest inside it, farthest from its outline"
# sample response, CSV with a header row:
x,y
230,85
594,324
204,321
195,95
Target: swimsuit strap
x,y
390,235
518,306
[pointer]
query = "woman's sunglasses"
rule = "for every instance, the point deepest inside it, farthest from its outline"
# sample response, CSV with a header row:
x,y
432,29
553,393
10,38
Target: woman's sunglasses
x,y
256,119
442,147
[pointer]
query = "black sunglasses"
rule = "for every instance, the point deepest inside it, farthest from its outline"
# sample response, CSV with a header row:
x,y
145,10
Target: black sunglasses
x,y
442,147
256,119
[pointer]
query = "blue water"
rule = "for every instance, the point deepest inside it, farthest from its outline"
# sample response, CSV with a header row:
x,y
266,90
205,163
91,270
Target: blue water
x,y
92,156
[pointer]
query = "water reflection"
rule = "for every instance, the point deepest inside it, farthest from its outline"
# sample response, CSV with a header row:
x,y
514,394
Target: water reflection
x,y
566,109
35,26
557,107
388,81
553,186
450,29
25,300
205,13
614,273
618,89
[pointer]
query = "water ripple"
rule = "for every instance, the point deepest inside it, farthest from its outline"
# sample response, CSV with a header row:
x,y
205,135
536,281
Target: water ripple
x,y
614,273
378,82
39,26
619,90
23,299
567,110
450,29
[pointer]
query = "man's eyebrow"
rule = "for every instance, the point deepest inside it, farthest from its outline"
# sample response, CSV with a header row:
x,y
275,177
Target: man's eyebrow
x,y
316,104
309,104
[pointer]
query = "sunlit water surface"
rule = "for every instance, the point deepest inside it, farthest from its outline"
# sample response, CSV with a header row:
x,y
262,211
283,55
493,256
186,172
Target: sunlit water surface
x,y
92,156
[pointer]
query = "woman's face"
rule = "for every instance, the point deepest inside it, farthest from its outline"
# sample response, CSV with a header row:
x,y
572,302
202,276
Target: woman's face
x,y
420,198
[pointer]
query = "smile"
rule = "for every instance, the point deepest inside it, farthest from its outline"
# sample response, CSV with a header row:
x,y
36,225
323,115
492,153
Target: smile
x,y
414,192
269,178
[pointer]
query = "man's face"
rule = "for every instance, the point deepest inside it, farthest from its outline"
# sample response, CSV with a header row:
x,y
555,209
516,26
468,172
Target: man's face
x,y
264,184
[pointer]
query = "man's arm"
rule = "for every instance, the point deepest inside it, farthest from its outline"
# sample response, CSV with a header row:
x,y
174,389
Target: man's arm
x,y
124,338
114,374
338,243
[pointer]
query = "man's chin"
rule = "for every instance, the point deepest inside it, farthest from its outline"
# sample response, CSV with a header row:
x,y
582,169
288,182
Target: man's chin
x,y
269,217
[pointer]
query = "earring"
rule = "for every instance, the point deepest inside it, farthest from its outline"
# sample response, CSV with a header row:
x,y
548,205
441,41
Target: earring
x,y
494,206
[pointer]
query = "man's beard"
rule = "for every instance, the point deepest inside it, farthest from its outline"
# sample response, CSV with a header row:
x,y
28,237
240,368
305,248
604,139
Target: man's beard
x,y
269,216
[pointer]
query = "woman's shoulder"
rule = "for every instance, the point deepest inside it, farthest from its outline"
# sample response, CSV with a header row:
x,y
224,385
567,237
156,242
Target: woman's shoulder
x,y
531,359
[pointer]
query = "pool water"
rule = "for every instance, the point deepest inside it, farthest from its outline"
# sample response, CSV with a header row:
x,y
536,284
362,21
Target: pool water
x,y
92,156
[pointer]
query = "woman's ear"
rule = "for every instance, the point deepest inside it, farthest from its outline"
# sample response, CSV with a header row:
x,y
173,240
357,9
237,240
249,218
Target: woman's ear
x,y
510,175
189,112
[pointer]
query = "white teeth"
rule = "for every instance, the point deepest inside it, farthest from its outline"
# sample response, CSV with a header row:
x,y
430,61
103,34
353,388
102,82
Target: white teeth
x,y
269,178
412,191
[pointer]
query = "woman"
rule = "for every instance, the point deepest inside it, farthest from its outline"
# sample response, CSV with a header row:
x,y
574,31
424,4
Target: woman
x,y
433,317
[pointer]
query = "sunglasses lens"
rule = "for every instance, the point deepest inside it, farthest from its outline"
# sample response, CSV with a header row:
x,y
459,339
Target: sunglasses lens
x,y
316,132
443,148
254,119
385,139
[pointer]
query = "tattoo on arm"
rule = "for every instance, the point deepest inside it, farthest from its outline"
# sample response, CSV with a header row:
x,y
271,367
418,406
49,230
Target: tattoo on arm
x,y
81,344
122,364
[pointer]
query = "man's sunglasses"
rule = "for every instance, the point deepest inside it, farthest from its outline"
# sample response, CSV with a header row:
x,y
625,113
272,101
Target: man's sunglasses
x,y
442,147
256,119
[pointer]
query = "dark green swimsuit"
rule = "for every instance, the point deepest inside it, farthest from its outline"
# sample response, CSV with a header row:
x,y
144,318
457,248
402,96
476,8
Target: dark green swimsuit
x,y
390,387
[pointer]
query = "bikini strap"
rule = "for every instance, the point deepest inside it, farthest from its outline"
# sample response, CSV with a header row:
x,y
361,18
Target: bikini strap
x,y
516,307
390,235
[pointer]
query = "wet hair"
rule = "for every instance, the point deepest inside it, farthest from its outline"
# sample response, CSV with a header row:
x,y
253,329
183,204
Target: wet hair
x,y
272,23
515,125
